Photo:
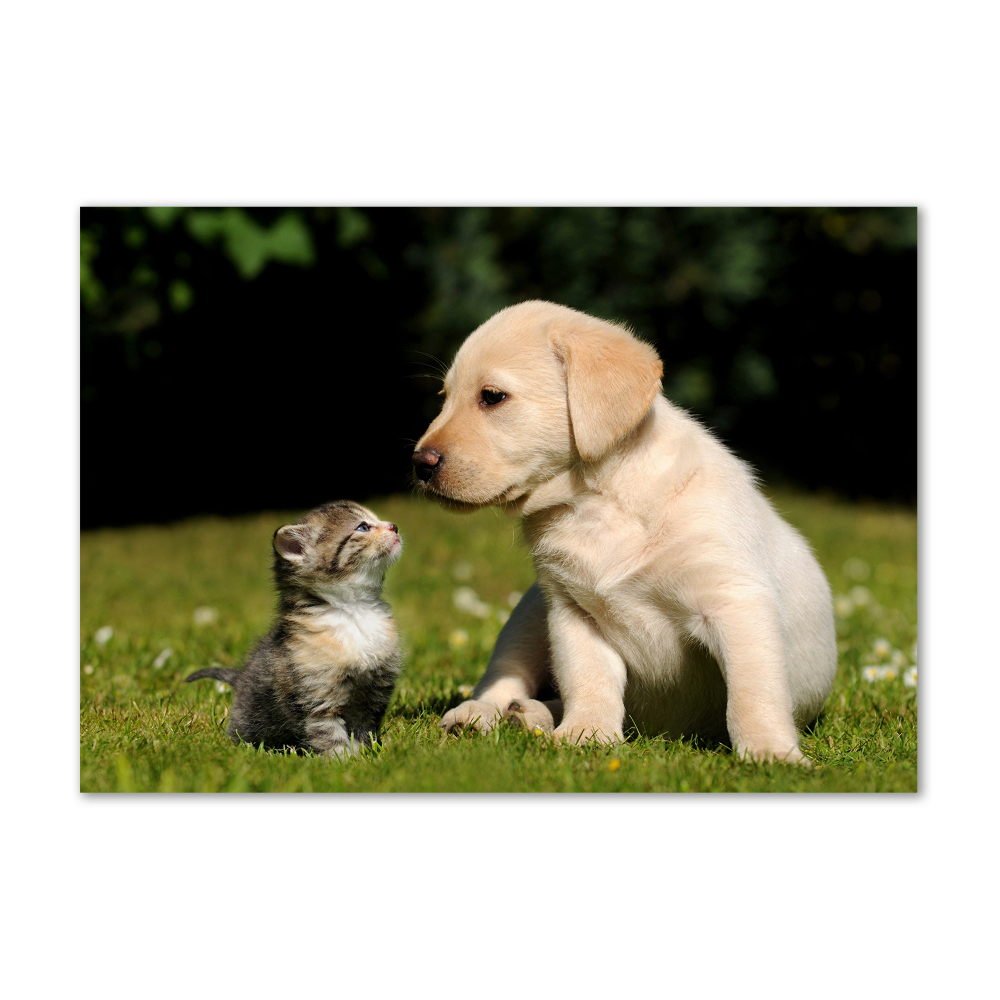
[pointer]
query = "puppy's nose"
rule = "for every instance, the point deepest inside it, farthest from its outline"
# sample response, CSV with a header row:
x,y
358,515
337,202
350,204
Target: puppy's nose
x,y
426,463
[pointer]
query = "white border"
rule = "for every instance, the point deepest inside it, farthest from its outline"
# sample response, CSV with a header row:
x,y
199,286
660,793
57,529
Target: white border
x,y
544,103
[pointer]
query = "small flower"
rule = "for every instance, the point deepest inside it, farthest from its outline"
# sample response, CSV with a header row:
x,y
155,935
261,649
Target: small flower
x,y
458,638
220,687
503,616
102,635
881,648
514,597
879,674
614,764
162,658
898,658
88,669
857,569
205,615
538,731
466,599
861,596
910,677
462,570
465,689
843,605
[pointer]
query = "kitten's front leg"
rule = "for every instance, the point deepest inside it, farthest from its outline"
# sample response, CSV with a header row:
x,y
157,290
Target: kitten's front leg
x,y
329,735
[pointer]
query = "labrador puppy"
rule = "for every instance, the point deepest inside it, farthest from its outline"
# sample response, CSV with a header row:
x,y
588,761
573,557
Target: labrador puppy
x,y
670,597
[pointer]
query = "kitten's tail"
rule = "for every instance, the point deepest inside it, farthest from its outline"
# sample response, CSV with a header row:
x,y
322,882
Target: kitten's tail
x,y
229,676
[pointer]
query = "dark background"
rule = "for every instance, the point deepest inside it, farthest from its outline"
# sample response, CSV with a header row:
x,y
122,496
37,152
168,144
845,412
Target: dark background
x,y
246,359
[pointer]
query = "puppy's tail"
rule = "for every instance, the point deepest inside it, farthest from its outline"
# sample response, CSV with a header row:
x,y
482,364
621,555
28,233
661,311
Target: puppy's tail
x,y
229,676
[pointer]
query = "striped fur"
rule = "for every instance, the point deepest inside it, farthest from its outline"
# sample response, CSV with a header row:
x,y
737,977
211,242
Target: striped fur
x,y
322,678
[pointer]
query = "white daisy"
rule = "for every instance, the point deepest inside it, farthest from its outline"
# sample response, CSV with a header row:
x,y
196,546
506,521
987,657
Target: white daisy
x,y
102,635
861,596
843,605
881,648
462,570
466,599
205,615
910,677
870,674
162,658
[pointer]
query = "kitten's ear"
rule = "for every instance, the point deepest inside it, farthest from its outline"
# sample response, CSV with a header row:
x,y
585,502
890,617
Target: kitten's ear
x,y
290,543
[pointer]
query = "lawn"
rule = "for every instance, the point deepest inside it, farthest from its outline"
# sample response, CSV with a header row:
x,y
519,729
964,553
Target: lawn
x,y
159,602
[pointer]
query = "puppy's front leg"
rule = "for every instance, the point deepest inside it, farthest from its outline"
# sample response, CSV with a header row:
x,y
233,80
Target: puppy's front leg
x,y
590,675
743,631
517,670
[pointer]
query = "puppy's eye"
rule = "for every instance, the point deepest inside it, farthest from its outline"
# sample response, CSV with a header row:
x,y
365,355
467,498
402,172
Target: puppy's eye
x,y
490,397
363,526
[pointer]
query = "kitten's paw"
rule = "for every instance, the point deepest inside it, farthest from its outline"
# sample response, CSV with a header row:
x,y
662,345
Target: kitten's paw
x,y
531,714
481,715
588,733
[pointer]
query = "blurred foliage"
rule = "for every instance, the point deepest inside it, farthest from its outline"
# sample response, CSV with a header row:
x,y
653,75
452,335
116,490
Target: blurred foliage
x,y
664,272
250,246
790,332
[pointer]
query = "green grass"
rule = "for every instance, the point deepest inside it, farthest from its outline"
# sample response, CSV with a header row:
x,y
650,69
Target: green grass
x,y
143,729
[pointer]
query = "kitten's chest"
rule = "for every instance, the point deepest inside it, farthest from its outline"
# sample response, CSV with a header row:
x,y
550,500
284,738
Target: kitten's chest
x,y
353,636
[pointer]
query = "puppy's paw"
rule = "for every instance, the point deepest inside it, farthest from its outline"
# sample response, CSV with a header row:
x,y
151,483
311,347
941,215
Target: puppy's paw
x,y
481,715
767,753
581,733
531,714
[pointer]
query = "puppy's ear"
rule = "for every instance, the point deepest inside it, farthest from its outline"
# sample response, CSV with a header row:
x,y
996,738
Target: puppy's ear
x,y
611,380
290,543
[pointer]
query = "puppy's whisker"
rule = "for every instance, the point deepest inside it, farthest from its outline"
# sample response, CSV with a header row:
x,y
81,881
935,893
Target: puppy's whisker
x,y
439,366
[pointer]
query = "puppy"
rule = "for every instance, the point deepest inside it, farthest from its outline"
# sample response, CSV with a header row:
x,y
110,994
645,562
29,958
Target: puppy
x,y
670,596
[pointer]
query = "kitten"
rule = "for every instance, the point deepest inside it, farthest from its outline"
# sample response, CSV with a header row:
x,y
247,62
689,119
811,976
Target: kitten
x,y
322,678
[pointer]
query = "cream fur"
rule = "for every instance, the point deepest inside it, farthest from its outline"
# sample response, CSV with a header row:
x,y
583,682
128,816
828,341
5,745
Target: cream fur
x,y
669,593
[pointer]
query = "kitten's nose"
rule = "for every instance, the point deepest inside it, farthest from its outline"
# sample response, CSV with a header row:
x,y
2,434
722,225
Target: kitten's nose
x,y
426,463
393,529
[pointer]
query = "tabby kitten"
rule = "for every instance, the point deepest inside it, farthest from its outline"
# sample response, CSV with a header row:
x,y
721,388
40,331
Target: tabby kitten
x,y
322,678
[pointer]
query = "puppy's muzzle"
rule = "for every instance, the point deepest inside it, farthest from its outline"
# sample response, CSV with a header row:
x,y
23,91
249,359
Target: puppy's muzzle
x,y
426,463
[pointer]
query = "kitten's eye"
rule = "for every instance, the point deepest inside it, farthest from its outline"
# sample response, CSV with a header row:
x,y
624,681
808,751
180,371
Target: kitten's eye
x,y
363,526
490,397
